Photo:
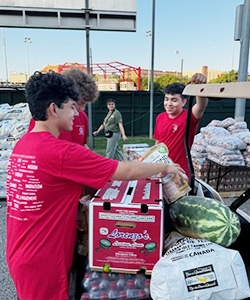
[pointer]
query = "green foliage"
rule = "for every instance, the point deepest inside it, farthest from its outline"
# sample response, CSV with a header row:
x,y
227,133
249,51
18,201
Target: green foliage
x,y
115,77
184,80
157,86
231,76
166,79
161,81
144,83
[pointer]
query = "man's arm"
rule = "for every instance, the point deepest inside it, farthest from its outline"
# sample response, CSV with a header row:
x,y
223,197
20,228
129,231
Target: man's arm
x,y
140,170
201,102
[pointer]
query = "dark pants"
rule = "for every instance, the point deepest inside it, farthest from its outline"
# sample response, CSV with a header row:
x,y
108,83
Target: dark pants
x,y
77,275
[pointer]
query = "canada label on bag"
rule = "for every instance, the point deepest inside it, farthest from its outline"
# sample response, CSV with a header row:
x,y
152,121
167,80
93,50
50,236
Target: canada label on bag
x,y
108,134
198,269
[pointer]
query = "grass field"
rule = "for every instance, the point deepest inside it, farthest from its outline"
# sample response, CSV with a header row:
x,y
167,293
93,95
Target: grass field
x,y
101,142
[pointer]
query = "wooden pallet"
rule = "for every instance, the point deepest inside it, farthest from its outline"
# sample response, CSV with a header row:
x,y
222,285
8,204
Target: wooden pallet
x,y
231,194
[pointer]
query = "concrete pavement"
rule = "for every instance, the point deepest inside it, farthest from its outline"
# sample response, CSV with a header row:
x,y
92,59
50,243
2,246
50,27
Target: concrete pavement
x,y
7,289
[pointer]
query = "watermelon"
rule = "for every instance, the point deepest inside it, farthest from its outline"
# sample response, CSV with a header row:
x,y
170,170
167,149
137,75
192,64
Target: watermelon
x,y
205,218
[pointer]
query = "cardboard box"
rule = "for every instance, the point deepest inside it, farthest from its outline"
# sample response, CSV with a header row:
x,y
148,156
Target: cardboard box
x,y
126,226
134,151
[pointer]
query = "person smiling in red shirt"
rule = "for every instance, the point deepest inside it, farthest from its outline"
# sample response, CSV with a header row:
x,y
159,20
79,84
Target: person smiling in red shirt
x,y
170,125
44,183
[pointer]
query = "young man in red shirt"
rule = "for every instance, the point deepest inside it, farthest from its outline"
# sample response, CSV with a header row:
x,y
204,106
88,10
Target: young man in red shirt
x,y
88,91
170,125
44,183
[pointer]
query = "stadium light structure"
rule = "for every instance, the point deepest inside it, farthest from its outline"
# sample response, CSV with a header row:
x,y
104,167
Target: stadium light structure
x,y
27,41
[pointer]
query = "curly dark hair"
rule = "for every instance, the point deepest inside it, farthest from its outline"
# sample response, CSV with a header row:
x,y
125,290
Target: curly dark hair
x,y
174,88
86,86
44,88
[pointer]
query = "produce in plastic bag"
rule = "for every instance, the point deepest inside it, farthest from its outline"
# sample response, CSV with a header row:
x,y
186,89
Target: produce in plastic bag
x,y
196,269
6,128
228,122
239,130
5,154
171,189
199,140
216,123
237,125
199,148
197,154
244,136
214,131
18,112
230,142
19,129
219,151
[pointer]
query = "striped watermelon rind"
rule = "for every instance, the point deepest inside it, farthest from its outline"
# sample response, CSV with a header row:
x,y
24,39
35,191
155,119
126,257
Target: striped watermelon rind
x,y
205,218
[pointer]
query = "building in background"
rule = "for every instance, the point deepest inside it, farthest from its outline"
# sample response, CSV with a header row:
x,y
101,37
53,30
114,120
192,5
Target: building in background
x,y
210,74
115,75
158,73
17,78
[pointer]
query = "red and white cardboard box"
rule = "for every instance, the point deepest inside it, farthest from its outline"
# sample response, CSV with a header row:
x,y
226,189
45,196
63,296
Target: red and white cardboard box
x,y
126,226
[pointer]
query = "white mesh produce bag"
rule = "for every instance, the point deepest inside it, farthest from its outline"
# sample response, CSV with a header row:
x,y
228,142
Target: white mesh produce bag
x,y
195,269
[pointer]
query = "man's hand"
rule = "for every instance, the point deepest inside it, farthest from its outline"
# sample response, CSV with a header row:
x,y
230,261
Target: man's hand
x,y
201,102
198,78
176,170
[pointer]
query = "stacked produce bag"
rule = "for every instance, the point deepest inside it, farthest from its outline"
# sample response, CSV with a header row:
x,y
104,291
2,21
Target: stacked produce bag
x,y
14,124
226,143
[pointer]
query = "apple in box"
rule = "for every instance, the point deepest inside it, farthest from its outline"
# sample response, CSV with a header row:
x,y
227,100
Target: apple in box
x,y
126,226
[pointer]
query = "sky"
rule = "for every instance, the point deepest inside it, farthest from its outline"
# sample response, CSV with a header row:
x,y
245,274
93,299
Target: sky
x,y
201,31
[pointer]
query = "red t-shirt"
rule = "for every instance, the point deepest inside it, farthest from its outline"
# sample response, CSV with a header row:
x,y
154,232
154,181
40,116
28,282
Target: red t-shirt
x,y
44,183
171,132
79,133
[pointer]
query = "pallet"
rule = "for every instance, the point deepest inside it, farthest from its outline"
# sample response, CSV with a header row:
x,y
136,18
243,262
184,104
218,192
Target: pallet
x,y
231,194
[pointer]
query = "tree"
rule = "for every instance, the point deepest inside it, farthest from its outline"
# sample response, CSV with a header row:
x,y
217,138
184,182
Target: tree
x,y
160,82
144,83
231,76
166,79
